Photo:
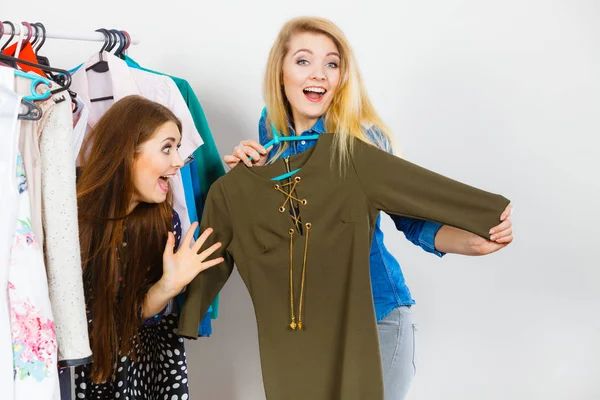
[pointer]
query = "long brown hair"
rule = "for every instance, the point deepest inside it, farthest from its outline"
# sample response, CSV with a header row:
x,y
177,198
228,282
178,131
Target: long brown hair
x,y
121,252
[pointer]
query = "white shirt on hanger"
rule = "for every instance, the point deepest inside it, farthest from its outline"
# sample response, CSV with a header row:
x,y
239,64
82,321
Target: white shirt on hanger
x,y
121,81
9,126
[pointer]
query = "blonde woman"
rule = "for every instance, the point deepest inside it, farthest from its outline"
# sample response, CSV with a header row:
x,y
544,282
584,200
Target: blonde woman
x,y
312,86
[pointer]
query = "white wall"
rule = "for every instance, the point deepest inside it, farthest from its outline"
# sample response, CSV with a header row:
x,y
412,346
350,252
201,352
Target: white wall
x,y
502,95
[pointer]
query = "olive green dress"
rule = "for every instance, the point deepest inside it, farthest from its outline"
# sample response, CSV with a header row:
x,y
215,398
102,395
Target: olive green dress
x,y
301,246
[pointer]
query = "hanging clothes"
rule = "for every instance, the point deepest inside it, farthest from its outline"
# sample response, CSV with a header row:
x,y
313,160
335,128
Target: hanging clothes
x,y
308,273
80,120
9,126
205,329
29,148
31,322
35,348
214,307
120,81
48,158
61,225
161,370
26,53
209,166
203,170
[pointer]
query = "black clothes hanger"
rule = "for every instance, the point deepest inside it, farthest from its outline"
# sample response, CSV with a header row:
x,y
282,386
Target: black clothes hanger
x,y
45,68
36,35
122,42
127,42
33,113
41,59
114,40
12,34
60,76
102,65
1,35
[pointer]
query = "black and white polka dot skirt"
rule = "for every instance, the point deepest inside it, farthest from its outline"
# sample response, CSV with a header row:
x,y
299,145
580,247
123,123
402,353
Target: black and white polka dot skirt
x,y
160,372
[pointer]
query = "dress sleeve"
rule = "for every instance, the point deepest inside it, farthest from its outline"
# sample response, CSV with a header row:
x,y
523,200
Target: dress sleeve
x,y
399,187
204,288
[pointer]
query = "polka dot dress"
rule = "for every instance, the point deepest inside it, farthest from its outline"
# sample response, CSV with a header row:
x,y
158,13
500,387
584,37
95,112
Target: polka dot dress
x,y
160,371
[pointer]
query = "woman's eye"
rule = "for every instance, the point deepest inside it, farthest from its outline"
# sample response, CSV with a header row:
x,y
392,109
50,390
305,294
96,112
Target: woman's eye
x,y
166,150
302,62
332,65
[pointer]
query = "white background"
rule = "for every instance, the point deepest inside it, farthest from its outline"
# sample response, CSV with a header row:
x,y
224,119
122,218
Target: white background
x,y
504,96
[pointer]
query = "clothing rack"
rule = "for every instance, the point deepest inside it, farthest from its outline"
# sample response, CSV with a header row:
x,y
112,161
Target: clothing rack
x,y
53,34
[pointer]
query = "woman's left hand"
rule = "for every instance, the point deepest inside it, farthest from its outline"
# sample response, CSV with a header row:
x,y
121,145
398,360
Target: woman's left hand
x,y
181,267
501,235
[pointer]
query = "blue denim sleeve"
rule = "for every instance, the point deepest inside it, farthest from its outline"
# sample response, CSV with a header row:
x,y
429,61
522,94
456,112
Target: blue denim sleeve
x,y
421,233
263,136
378,139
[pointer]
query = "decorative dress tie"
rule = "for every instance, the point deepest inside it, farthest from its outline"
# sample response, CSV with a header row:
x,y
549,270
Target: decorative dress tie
x,y
290,196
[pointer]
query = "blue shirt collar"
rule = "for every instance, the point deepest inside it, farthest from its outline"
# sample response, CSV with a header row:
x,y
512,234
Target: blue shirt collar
x,y
318,128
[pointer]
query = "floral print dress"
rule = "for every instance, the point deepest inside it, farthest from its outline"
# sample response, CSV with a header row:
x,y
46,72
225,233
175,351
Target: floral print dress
x,y
31,322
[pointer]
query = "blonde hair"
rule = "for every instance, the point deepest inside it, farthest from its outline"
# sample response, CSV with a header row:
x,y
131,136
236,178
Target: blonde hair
x,y
350,109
